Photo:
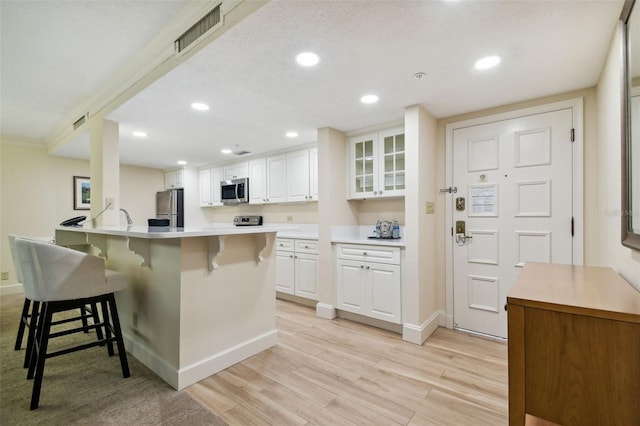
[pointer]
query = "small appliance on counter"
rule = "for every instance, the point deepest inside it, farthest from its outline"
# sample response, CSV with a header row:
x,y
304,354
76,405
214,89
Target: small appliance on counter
x,y
386,229
247,220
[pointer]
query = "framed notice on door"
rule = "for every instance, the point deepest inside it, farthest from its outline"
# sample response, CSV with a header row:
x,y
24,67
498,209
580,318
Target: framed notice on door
x,y
483,200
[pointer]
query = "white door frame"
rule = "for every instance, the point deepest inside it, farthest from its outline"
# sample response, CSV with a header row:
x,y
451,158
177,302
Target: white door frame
x,y
578,186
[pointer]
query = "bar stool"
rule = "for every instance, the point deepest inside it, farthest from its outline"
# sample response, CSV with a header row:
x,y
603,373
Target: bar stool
x,y
61,279
29,309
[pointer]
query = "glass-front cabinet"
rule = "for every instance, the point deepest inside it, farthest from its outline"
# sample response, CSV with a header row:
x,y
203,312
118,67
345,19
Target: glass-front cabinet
x,y
377,166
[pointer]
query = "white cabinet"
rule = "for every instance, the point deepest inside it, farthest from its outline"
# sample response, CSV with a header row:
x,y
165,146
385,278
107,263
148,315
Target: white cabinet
x,y
174,179
236,170
258,181
297,267
210,187
377,164
298,176
276,179
369,281
313,173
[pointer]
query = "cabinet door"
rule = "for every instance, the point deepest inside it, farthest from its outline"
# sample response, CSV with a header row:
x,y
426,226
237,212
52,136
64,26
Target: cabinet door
x,y
306,270
216,177
298,176
236,171
391,179
313,174
351,286
173,179
363,166
384,292
285,272
258,181
276,179
206,195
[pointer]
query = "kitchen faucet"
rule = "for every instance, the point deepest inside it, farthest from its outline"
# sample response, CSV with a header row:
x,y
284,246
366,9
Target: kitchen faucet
x,y
126,213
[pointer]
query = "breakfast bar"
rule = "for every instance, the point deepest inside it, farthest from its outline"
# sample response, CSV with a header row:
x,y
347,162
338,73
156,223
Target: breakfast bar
x,y
199,299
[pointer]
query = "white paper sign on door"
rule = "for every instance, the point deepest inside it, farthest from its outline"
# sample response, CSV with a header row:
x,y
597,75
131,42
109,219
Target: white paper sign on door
x,y
484,200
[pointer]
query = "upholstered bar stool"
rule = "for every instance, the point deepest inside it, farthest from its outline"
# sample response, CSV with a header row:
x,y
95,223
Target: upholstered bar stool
x,y
61,279
29,309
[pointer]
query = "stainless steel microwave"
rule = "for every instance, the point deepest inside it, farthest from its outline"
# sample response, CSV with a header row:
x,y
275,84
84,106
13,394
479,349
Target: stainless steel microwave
x,y
234,191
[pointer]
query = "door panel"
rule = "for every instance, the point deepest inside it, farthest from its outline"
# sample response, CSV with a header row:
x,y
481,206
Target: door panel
x,y
516,178
351,286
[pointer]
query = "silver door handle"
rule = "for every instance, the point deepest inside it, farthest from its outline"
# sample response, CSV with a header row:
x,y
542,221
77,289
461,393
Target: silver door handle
x,y
461,238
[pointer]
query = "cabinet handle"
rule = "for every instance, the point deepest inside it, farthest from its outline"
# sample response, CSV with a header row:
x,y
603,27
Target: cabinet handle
x,y
291,256
364,253
361,266
368,267
306,246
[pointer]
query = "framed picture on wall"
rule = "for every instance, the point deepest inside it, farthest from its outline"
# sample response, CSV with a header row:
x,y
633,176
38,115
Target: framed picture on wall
x,y
81,193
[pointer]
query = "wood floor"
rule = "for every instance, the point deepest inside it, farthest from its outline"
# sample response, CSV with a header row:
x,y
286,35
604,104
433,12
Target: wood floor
x,y
343,373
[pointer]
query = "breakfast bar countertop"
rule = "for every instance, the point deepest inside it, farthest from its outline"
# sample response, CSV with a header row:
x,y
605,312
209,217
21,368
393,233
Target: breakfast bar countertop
x,y
162,232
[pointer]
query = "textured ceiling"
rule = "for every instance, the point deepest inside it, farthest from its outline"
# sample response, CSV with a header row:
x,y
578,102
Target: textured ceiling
x,y
256,91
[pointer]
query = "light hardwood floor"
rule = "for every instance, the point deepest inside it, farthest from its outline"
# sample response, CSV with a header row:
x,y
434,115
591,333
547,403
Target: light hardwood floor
x,y
343,373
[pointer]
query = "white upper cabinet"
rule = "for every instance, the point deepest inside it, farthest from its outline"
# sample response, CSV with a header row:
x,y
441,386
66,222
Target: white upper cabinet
x,y
236,170
276,179
210,187
298,176
258,181
313,174
174,179
377,164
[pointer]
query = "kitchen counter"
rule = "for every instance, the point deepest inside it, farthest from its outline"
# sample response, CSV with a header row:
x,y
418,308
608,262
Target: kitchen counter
x,y
360,234
199,299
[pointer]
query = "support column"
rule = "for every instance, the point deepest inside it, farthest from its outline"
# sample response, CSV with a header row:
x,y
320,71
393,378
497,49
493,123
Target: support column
x,y
333,209
104,166
420,291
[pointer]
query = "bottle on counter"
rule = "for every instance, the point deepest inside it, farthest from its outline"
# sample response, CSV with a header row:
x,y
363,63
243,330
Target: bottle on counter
x,y
396,230
376,232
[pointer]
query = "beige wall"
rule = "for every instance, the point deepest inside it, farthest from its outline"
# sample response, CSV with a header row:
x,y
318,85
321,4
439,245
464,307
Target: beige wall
x,y
608,187
36,194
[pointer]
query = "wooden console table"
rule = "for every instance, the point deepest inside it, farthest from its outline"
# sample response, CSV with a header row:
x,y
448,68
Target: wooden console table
x,y
574,346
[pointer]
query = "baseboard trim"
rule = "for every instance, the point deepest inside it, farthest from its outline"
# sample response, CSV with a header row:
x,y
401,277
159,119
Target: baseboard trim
x,y
419,333
325,311
6,290
180,379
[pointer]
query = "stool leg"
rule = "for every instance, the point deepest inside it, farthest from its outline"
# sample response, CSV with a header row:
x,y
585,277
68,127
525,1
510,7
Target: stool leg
x,y
41,354
107,329
24,318
96,320
83,314
33,325
118,332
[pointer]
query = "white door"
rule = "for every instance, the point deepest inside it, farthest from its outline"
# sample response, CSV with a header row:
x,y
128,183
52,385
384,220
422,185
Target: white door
x,y
285,272
306,275
515,180
298,176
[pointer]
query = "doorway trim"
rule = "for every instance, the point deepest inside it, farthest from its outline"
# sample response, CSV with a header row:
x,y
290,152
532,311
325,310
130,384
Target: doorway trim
x,y
576,105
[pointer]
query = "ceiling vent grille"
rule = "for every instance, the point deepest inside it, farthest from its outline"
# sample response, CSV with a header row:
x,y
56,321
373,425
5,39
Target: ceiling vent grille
x,y
209,21
80,121
241,152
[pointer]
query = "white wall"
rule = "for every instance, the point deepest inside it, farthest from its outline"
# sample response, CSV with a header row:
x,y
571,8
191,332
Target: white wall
x,y
36,194
610,251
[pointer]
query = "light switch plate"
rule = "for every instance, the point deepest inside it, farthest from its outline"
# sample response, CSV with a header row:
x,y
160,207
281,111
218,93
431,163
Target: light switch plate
x,y
430,207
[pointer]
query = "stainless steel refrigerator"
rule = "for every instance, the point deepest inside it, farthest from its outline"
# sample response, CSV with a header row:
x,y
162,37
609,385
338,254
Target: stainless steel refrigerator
x,y
170,205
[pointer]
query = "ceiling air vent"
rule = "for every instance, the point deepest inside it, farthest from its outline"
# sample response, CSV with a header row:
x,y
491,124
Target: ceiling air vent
x,y
80,121
240,152
209,21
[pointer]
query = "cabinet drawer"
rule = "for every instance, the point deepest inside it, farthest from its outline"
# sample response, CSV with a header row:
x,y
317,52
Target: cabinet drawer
x,y
285,244
306,246
366,253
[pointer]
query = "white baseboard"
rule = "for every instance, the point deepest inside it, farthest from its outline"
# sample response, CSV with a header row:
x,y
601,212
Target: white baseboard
x,y
419,333
180,379
8,289
325,311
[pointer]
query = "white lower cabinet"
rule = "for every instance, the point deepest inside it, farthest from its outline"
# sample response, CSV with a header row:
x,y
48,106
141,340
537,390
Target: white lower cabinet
x,y
297,267
369,281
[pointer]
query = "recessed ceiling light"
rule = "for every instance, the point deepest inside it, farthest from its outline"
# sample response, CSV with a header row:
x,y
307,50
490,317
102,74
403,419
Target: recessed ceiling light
x,y
307,59
200,106
369,99
292,134
226,151
487,62
182,162
139,134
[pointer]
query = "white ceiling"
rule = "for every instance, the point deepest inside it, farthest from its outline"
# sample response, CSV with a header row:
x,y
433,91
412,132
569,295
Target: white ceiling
x,y
55,54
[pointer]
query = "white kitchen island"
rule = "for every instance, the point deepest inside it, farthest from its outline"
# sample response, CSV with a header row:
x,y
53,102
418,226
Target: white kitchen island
x,y
199,300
